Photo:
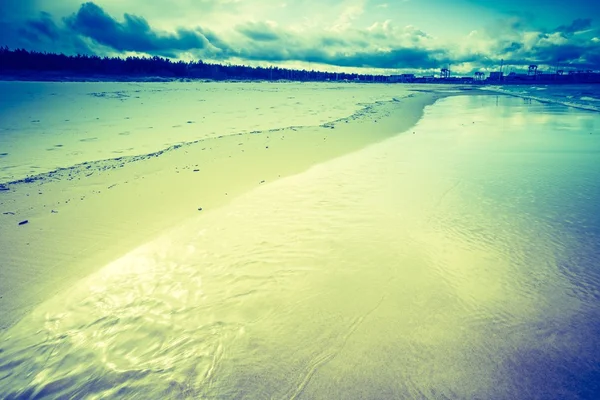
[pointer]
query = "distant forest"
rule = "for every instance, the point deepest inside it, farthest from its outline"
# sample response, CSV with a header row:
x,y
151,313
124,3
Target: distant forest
x,y
21,62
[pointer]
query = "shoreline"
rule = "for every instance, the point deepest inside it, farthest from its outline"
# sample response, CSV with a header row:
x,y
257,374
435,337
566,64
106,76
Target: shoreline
x,y
35,76
501,91
82,217
49,125
365,109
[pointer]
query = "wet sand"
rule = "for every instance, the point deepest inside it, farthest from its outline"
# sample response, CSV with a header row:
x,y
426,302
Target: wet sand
x,y
456,262
60,226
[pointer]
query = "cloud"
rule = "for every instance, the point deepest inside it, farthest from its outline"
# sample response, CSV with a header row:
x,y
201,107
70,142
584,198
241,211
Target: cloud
x,y
340,42
132,34
41,33
395,58
43,26
578,25
382,45
352,10
513,47
530,45
261,31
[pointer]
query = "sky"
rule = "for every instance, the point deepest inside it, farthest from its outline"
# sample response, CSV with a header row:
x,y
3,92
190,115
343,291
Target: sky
x,y
370,36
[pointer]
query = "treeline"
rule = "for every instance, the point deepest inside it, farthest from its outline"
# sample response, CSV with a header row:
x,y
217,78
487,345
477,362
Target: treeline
x,y
21,61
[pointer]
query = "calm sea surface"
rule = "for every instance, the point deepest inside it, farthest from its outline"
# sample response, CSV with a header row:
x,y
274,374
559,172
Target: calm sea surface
x,y
460,262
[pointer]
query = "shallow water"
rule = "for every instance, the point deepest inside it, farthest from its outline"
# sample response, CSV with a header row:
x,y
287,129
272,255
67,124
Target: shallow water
x,y
584,96
461,261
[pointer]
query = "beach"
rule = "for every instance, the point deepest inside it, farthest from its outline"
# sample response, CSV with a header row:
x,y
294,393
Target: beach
x,y
83,214
296,241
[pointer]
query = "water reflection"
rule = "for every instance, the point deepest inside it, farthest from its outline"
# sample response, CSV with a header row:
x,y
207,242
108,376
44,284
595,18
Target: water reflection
x,y
458,262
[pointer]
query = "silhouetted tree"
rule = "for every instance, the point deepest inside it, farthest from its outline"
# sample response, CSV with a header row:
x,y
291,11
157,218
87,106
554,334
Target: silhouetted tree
x,y
23,61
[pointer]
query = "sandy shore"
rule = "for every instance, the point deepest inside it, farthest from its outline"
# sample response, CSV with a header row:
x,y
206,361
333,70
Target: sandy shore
x,y
49,125
59,227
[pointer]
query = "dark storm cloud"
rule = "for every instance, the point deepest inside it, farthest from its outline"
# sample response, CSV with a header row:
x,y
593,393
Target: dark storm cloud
x,y
383,45
12,15
44,26
581,56
560,52
215,41
566,45
132,34
395,58
262,42
514,46
577,25
42,33
329,41
259,31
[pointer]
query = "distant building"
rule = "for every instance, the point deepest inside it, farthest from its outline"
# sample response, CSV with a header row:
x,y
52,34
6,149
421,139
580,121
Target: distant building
x,y
496,76
402,78
513,76
429,78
